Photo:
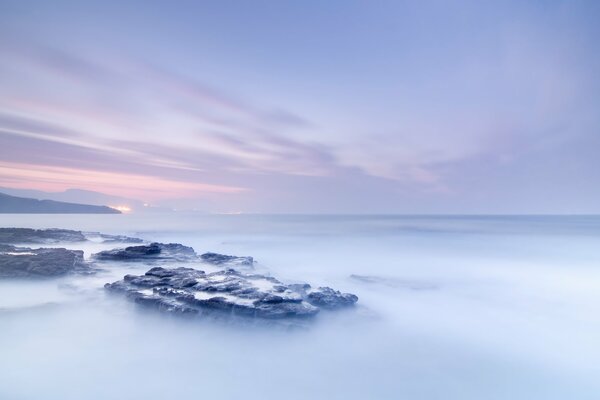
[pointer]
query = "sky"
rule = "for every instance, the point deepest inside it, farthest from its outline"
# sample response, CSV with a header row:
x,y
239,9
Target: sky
x,y
306,106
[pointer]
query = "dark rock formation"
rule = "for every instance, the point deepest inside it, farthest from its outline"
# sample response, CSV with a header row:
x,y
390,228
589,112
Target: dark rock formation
x,y
188,291
39,236
153,251
227,292
20,262
225,260
51,236
328,298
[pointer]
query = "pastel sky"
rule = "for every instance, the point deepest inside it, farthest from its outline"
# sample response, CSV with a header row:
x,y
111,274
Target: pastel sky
x,y
306,106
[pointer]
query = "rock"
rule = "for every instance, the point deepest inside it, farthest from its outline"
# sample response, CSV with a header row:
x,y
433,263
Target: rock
x,y
20,262
367,278
228,292
326,297
153,251
104,238
39,236
222,259
394,282
52,236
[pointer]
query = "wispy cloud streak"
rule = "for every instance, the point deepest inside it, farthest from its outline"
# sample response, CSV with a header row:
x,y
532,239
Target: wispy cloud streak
x,y
336,107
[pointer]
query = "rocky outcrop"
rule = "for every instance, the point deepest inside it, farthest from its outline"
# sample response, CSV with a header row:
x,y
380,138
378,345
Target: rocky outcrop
x,y
53,236
39,236
21,262
225,260
330,299
227,292
151,252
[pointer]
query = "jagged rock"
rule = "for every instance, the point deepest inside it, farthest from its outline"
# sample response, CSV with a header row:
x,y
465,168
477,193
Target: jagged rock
x,y
153,251
22,262
39,236
231,261
191,291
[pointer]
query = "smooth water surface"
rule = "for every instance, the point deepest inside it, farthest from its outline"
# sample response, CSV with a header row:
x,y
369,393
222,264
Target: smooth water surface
x,y
449,308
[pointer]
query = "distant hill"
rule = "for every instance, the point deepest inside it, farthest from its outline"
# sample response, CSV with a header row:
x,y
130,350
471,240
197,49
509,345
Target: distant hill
x,y
23,205
78,196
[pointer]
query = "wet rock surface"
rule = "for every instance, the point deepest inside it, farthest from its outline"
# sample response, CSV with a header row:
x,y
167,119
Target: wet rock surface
x,y
22,262
53,236
224,292
150,252
225,260
330,299
228,292
39,236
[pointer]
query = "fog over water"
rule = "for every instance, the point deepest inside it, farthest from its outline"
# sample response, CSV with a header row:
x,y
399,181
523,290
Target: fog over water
x,y
449,307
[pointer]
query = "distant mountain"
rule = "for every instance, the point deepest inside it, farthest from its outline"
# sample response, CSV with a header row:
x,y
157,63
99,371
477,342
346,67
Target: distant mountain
x,y
77,196
23,205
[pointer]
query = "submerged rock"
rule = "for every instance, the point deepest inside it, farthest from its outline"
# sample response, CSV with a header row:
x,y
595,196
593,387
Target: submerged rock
x,y
21,262
230,292
104,238
39,236
153,251
394,282
222,259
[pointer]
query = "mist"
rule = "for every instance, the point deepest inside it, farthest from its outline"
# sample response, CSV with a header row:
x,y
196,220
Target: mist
x,y
449,307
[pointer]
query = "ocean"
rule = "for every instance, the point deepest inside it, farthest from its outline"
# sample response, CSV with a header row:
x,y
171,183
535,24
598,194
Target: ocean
x,y
450,307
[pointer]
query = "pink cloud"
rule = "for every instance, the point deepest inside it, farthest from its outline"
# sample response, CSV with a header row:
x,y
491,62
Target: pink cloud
x,y
51,178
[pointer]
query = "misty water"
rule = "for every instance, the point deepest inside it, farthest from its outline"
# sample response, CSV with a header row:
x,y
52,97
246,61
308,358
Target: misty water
x,y
449,308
